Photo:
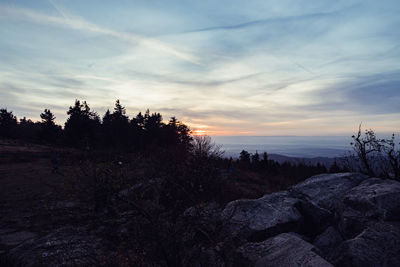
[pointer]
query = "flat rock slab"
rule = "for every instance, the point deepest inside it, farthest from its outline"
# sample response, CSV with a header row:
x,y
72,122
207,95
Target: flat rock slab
x,y
258,219
282,250
326,189
64,247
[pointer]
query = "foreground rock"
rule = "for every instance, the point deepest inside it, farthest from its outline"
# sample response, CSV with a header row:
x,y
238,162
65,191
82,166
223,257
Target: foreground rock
x,y
258,219
327,189
372,201
281,250
255,220
64,247
332,219
378,245
352,220
328,241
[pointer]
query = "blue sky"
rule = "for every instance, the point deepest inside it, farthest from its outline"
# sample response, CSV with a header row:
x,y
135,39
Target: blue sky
x,y
225,67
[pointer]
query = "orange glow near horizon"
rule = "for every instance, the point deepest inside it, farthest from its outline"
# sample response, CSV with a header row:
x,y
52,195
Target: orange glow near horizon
x,y
199,132
203,129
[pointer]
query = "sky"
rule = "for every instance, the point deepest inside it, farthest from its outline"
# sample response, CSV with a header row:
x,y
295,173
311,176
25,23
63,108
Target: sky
x,y
284,67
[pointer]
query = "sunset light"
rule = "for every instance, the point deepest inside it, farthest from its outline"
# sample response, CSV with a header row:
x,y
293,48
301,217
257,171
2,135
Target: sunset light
x,y
222,133
199,132
264,67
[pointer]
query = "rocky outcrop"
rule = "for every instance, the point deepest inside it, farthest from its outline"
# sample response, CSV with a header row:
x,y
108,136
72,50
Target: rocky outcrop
x,y
281,250
255,220
328,241
377,245
325,190
64,247
332,219
343,219
372,201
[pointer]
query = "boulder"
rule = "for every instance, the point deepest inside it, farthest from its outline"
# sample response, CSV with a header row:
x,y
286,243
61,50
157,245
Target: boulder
x,y
328,241
315,218
372,201
258,219
326,189
282,250
204,257
377,245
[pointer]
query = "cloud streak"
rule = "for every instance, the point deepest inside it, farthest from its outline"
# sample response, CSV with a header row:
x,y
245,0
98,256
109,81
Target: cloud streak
x,y
290,19
262,68
82,25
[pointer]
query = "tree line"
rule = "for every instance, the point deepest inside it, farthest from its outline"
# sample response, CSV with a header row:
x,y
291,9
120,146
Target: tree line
x,y
292,172
85,129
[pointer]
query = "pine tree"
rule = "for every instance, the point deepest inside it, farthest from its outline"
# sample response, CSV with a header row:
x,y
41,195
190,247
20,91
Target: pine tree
x,y
50,130
82,125
8,124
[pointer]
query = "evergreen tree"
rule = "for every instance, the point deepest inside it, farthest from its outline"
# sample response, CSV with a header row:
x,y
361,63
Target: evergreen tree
x,y
8,124
335,168
255,161
116,127
47,117
244,158
137,135
28,130
119,110
152,127
265,161
138,121
50,130
82,125
178,134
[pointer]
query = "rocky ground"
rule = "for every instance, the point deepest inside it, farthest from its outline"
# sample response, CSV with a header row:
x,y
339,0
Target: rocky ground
x,y
345,219
334,219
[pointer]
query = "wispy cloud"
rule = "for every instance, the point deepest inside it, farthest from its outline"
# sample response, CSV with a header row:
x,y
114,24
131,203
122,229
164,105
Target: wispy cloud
x,y
276,67
77,23
275,21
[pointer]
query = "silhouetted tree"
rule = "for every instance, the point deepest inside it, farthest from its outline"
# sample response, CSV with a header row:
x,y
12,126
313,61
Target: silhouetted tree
x,y
138,120
47,118
178,135
393,157
137,138
244,159
152,127
255,161
366,148
203,147
116,127
50,131
335,168
82,125
107,118
28,130
377,157
8,124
